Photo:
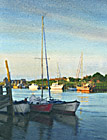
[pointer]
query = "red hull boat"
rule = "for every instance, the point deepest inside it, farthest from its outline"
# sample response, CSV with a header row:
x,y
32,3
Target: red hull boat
x,y
45,108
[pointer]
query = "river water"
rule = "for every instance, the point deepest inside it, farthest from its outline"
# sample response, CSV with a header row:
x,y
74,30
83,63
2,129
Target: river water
x,y
90,122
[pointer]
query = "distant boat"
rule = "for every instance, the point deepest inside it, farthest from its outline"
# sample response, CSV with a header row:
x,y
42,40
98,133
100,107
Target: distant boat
x,y
15,87
57,87
72,89
33,87
84,88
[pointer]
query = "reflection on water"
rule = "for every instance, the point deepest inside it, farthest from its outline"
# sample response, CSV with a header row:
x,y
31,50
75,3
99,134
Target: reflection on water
x,y
5,127
34,125
9,125
57,92
83,98
45,119
68,120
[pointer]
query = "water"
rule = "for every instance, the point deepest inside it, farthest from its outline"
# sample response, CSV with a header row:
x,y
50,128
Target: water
x,y
90,122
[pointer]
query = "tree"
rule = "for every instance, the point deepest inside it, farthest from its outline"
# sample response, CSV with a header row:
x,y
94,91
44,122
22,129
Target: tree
x,y
105,78
98,76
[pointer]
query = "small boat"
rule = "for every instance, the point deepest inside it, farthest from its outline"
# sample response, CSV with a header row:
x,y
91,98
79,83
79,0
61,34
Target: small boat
x,y
19,107
72,89
15,87
84,88
57,87
65,107
39,104
33,87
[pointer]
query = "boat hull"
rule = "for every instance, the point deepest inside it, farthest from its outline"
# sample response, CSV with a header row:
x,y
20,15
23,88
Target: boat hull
x,y
57,87
43,108
33,87
22,108
72,89
66,107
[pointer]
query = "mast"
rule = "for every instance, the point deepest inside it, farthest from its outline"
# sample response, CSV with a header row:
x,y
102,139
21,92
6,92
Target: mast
x,y
42,58
58,71
46,63
81,65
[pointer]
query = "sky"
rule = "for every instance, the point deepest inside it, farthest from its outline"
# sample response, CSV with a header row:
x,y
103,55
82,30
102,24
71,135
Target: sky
x,y
71,27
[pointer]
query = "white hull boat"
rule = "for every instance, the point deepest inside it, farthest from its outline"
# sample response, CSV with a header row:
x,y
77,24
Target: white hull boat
x,y
65,107
33,87
19,107
56,87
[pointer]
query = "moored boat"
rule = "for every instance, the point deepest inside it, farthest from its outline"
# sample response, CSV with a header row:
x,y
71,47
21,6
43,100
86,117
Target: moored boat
x,y
40,104
57,87
64,107
33,87
22,107
84,88
19,107
72,89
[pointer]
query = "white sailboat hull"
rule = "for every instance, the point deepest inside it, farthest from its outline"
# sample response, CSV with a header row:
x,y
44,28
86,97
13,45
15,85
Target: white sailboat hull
x,y
33,87
18,108
66,107
56,87
21,108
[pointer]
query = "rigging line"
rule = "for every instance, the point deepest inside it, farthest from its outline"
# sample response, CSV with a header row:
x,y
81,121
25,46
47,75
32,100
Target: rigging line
x,y
46,62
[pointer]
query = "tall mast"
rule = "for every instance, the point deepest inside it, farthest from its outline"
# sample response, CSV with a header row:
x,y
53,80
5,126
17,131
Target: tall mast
x,y
81,65
42,58
46,63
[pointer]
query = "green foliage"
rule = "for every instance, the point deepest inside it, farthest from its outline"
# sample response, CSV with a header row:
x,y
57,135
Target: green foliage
x,y
98,76
105,78
87,78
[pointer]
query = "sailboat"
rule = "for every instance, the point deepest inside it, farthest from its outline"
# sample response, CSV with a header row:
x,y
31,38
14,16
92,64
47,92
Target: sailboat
x,y
59,106
56,87
46,106
40,104
33,87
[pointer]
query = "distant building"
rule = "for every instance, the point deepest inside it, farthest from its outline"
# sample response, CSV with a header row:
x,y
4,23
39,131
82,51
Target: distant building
x,y
23,81
58,79
18,82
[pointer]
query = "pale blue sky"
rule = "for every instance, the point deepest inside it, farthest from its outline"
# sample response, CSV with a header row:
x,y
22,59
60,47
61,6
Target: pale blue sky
x,y
71,26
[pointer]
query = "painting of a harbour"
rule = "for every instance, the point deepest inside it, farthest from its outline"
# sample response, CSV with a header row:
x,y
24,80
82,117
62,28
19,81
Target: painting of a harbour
x,y
53,70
